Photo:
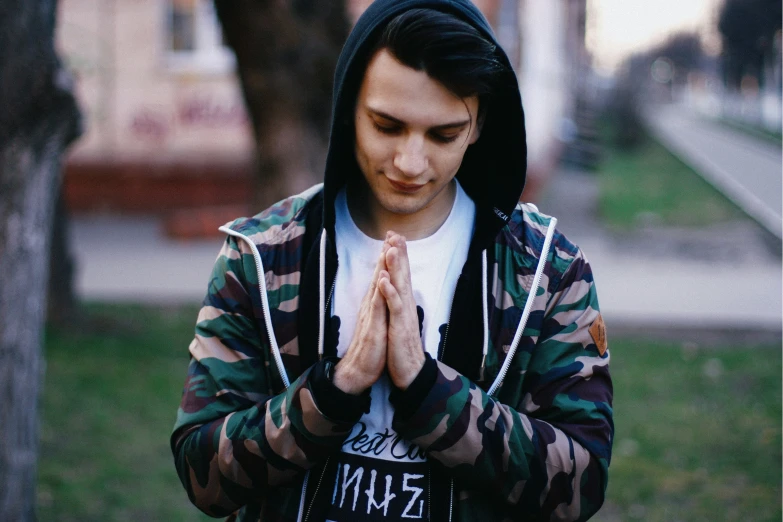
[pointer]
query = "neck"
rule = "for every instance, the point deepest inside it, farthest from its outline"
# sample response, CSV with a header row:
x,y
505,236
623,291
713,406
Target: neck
x,y
374,220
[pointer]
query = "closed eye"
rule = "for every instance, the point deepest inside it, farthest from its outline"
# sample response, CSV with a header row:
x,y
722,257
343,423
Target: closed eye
x,y
444,138
441,134
386,129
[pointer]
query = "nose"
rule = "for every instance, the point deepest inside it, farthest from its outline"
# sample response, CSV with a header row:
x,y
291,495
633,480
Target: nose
x,y
411,158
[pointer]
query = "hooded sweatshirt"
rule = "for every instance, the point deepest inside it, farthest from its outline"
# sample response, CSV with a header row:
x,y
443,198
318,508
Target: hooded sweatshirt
x,y
492,172
514,414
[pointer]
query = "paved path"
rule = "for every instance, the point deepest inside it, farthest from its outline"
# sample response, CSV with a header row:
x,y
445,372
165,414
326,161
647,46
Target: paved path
x,y
649,280
126,259
747,170
725,277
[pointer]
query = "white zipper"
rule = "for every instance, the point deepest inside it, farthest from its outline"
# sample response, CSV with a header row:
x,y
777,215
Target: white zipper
x,y
451,498
315,494
302,498
550,232
264,303
270,333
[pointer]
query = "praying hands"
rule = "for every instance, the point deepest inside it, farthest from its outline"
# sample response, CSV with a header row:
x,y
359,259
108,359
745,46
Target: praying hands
x,y
387,331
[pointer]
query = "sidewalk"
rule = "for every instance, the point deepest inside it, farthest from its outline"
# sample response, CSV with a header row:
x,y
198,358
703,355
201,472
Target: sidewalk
x,y
129,259
651,280
746,169
723,278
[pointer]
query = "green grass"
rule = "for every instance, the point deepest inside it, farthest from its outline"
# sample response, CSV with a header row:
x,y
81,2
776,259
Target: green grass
x,y
109,401
650,185
698,430
697,433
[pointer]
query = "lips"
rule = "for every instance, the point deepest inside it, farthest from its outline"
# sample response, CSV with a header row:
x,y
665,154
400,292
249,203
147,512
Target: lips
x,y
408,188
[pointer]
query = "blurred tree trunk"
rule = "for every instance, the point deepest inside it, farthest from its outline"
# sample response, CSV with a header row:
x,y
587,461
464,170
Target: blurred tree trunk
x,y
286,53
61,306
748,30
38,119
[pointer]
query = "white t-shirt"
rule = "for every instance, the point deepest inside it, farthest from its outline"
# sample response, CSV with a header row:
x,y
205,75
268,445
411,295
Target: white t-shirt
x,y
381,476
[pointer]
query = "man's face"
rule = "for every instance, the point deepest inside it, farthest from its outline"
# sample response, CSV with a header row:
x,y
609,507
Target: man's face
x,y
411,136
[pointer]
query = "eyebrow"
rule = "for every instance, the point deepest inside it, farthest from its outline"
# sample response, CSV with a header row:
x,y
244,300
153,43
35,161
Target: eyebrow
x,y
445,126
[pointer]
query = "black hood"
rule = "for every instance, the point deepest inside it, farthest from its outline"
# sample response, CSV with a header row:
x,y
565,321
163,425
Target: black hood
x,y
492,173
493,169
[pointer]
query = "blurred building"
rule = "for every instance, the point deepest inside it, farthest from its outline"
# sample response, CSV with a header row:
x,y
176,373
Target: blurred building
x,y
165,123
553,67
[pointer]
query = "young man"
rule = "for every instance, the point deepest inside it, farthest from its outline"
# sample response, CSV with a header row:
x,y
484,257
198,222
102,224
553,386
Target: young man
x,y
404,341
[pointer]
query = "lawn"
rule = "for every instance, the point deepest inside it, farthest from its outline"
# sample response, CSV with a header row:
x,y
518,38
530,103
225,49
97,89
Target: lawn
x,y
698,429
110,397
697,433
648,185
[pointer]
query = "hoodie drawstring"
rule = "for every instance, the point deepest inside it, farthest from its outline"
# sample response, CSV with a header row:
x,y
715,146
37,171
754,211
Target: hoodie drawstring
x,y
485,313
321,294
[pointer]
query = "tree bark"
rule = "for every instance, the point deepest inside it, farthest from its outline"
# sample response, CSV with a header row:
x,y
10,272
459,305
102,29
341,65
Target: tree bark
x,y
38,119
62,306
286,54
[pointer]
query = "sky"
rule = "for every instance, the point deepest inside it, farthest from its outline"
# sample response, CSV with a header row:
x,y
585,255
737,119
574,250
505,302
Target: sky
x,y
617,28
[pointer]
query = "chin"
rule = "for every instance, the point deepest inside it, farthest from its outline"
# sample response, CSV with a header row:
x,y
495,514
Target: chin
x,y
402,207
405,204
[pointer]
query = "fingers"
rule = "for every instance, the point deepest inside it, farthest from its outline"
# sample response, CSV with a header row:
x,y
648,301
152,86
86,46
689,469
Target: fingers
x,y
365,359
378,304
379,266
404,355
391,296
398,265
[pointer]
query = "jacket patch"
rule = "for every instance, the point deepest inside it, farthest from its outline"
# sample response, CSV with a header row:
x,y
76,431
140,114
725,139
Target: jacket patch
x,y
598,333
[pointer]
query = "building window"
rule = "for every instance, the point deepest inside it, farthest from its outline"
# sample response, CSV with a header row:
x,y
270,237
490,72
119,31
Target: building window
x,y
194,39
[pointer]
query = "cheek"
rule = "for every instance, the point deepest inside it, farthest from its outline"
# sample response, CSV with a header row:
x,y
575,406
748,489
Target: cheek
x,y
370,148
449,162
360,145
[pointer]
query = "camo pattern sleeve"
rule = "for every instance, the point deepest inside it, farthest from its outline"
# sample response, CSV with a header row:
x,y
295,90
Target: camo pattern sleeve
x,y
234,437
547,453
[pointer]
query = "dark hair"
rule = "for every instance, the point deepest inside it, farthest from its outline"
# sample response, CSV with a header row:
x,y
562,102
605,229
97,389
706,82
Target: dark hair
x,y
448,49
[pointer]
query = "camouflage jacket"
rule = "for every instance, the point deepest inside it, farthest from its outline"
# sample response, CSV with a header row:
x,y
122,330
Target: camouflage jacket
x,y
538,446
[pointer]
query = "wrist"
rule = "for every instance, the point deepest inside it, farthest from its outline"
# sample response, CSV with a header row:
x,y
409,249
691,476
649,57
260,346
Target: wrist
x,y
406,402
347,380
332,402
412,370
